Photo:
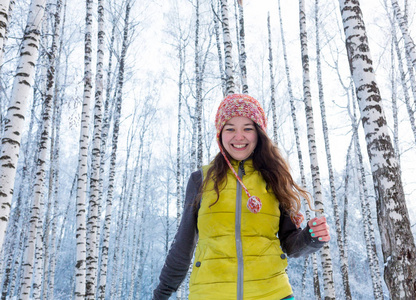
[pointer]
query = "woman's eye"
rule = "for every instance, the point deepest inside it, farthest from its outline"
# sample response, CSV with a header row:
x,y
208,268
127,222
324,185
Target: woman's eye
x,y
248,129
229,129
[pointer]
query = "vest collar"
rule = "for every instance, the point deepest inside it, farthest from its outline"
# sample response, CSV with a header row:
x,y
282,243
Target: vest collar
x,y
247,163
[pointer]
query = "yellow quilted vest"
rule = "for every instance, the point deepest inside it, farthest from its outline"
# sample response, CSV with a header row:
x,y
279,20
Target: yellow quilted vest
x,y
238,255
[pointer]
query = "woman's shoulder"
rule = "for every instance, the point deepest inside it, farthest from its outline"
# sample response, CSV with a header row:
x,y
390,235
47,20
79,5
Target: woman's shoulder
x,y
196,177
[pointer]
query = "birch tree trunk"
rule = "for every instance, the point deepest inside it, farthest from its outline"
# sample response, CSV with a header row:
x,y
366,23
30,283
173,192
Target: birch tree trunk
x,y
396,236
36,221
403,80
408,41
116,129
80,268
198,89
49,284
242,50
272,89
105,129
93,217
50,94
340,243
329,288
4,21
394,105
18,217
136,236
218,43
345,236
55,165
228,49
365,210
181,54
21,213
403,76
15,118
317,290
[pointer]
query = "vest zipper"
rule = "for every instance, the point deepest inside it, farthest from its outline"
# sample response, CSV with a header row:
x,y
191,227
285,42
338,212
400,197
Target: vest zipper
x,y
238,242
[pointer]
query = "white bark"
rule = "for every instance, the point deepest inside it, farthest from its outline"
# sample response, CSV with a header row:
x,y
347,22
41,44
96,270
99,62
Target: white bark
x,y
218,43
394,106
396,237
198,89
50,94
136,226
116,129
365,211
55,166
403,77
329,288
272,88
228,49
4,20
242,50
317,290
403,80
36,227
93,217
409,43
16,112
80,268
340,243
178,147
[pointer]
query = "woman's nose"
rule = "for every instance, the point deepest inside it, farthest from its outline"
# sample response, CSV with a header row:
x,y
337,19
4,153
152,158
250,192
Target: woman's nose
x,y
239,135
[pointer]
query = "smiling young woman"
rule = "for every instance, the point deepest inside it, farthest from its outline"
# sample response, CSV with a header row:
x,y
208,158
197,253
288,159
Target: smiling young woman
x,y
239,137
242,215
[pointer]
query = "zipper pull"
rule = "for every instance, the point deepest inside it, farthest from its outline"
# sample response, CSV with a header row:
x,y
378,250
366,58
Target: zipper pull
x,y
242,167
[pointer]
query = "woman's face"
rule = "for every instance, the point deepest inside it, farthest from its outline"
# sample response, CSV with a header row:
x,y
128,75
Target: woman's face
x,y
239,137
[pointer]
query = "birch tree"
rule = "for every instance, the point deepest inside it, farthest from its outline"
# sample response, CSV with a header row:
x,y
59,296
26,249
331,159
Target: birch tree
x,y
403,79
228,49
394,105
36,220
396,236
329,288
272,88
218,43
405,88
340,243
409,43
4,20
316,285
15,118
116,129
80,273
93,217
242,49
198,89
181,55
365,211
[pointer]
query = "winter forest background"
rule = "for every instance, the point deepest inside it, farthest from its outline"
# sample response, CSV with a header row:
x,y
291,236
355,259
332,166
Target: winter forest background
x,y
108,106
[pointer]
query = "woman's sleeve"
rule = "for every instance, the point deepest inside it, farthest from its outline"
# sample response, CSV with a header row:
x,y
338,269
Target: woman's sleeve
x,y
181,251
295,241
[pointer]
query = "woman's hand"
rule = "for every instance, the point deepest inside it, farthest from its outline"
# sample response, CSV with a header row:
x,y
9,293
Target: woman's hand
x,y
319,229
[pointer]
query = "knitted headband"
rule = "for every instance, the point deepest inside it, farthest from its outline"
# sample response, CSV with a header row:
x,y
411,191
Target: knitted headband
x,y
241,105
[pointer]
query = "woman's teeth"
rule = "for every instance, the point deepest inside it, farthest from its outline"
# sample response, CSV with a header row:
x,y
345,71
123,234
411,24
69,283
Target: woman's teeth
x,y
239,146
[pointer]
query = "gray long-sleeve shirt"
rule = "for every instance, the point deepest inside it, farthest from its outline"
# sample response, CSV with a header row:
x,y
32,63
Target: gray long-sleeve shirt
x,y
295,242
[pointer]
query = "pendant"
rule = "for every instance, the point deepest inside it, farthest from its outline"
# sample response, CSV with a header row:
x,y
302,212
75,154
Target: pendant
x,y
254,204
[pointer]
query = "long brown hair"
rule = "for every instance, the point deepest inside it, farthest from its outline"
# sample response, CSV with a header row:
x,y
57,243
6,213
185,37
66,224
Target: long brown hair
x,y
272,166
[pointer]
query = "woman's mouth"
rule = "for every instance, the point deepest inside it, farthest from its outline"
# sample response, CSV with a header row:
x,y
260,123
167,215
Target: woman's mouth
x,y
239,147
